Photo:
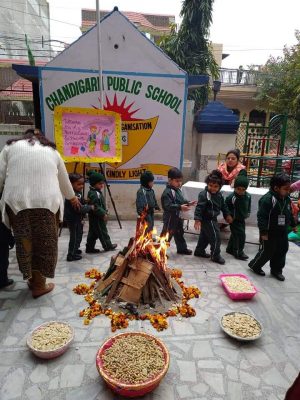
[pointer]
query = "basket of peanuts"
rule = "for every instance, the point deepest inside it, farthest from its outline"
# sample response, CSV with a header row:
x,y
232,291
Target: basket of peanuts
x,y
132,363
238,286
241,326
50,339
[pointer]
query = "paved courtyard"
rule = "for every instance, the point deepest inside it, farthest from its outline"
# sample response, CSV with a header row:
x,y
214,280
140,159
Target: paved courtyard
x,y
205,364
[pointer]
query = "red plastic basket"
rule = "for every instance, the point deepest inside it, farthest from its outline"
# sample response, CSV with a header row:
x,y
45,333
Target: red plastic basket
x,y
125,389
238,295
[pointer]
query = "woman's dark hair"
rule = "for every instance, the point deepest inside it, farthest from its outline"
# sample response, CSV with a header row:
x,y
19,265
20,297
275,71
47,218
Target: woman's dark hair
x,y
236,152
31,135
175,173
279,180
214,177
75,177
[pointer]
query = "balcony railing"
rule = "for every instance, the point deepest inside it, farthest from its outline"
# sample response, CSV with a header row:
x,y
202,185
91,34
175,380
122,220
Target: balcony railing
x,y
238,76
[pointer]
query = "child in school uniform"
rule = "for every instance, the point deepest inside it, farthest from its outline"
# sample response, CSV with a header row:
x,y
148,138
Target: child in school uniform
x,y
74,218
146,200
173,203
274,216
239,205
7,242
210,204
97,217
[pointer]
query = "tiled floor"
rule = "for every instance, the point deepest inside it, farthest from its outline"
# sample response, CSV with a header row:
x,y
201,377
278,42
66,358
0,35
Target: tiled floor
x,y
205,364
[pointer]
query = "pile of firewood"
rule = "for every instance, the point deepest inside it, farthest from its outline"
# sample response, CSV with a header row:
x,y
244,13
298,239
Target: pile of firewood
x,y
139,274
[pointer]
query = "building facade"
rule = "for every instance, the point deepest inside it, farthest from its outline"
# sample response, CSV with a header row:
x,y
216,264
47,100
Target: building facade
x,y
30,17
153,25
17,18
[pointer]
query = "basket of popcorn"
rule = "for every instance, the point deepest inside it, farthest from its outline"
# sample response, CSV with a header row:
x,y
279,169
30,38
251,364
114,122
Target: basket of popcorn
x,y
132,364
238,286
241,326
50,339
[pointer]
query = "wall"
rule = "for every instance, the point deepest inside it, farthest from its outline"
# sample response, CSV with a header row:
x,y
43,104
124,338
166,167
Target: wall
x,y
124,195
209,146
11,131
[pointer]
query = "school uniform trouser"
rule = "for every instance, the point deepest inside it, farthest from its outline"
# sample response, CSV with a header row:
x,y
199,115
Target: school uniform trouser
x,y
4,262
175,229
150,221
97,230
237,238
76,232
209,234
274,250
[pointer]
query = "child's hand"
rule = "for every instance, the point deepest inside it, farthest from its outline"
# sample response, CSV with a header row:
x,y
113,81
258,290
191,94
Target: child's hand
x,y
264,237
197,225
192,203
229,219
75,203
185,207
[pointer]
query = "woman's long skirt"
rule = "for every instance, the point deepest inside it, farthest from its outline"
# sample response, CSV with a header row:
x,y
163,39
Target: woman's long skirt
x,y
36,235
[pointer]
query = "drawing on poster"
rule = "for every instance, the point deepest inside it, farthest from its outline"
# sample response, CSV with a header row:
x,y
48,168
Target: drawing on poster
x,y
87,135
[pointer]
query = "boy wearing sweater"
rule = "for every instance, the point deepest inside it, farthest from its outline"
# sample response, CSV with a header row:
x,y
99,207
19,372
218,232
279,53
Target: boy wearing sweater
x,y
97,217
173,203
210,204
146,200
7,242
74,218
239,205
273,218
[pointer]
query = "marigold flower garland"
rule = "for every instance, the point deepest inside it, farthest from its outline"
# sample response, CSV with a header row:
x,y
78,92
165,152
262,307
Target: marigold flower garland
x,y
120,320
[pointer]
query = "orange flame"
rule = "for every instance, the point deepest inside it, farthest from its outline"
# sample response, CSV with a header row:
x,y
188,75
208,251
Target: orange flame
x,y
144,244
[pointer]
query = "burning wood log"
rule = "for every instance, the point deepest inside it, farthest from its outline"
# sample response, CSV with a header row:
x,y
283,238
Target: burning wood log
x,y
139,275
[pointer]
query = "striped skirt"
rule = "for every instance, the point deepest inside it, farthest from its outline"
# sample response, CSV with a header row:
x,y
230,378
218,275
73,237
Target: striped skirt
x,y
36,235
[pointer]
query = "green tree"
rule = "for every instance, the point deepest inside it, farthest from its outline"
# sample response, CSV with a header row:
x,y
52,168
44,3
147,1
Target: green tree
x,y
190,47
279,82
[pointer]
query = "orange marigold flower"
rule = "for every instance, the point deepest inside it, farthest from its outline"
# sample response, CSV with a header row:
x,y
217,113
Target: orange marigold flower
x,y
82,288
159,322
89,299
186,311
93,274
176,273
173,312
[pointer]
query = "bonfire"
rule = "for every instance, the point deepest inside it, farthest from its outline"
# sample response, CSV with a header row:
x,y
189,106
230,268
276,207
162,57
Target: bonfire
x,y
138,284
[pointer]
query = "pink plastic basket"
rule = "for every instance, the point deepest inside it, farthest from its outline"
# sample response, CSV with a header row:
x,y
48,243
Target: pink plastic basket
x,y
238,295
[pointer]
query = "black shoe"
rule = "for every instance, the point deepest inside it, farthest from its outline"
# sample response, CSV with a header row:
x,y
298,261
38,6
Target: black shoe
x,y
7,283
186,252
257,271
279,277
201,254
76,257
92,251
111,247
78,251
242,256
218,260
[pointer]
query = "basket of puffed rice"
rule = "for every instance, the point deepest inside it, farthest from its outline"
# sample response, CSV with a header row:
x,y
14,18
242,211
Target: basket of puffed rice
x,y
241,326
238,286
132,363
50,339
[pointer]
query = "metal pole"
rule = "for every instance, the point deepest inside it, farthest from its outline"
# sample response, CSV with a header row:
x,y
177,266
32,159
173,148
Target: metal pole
x,y
100,73
99,53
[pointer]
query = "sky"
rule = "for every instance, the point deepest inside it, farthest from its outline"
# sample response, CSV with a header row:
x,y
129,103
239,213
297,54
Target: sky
x,y
250,31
